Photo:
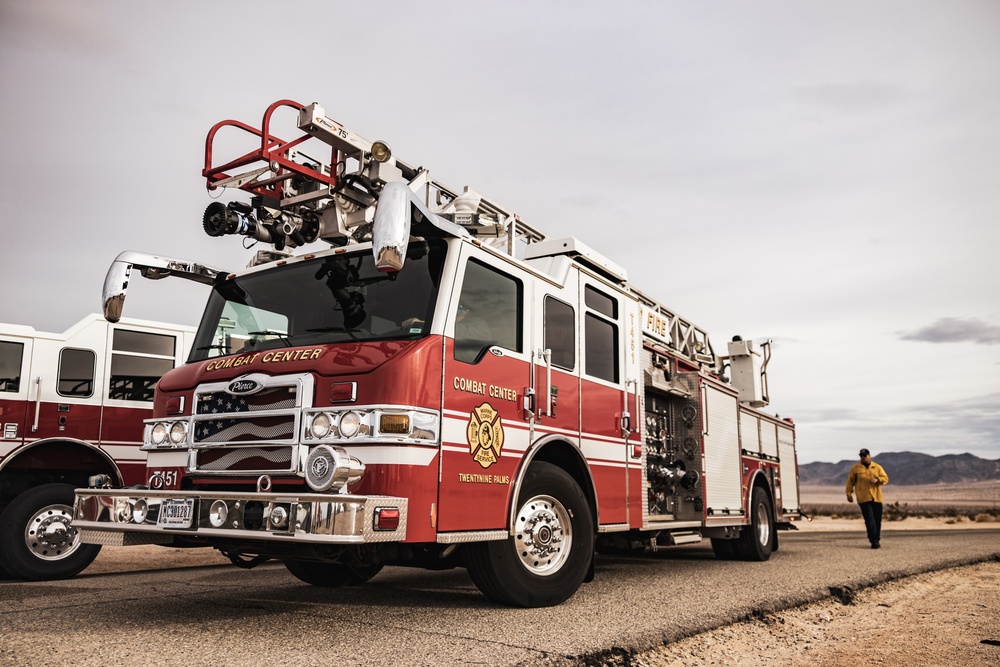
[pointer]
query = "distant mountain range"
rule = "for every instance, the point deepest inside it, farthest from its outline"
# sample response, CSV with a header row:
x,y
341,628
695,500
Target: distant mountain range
x,y
906,468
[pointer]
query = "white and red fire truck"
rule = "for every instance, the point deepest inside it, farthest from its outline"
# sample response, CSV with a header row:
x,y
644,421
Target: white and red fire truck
x,y
443,386
72,406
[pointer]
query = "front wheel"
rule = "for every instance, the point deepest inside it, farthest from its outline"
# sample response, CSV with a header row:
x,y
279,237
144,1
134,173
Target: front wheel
x,y
549,555
37,542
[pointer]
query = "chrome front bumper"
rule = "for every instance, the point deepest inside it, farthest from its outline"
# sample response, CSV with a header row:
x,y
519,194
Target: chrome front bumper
x,y
102,515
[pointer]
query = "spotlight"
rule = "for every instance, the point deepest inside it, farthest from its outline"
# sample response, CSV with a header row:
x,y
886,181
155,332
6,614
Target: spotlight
x,y
381,151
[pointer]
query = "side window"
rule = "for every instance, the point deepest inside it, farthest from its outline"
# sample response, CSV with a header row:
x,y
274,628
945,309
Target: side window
x,y
76,372
10,366
601,333
560,333
138,359
489,312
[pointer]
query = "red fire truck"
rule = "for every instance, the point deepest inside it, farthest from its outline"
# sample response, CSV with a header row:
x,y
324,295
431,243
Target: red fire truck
x,y
442,386
72,406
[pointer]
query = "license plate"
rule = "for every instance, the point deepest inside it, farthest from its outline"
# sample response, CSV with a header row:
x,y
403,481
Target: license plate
x,y
176,513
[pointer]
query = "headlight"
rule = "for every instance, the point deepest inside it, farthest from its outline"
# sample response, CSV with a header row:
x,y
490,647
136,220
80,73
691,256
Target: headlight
x,y
139,511
350,424
388,423
178,433
218,513
320,425
158,434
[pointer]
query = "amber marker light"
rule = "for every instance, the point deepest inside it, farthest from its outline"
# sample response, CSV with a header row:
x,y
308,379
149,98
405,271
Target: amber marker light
x,y
397,424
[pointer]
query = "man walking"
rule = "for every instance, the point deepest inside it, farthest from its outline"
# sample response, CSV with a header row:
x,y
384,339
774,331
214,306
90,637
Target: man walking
x,y
867,478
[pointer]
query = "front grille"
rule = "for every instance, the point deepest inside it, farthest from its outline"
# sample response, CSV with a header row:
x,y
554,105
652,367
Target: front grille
x,y
280,427
249,433
245,459
222,402
266,416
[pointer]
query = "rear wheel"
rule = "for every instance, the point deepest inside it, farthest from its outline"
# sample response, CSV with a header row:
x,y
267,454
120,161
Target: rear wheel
x,y
37,541
549,556
331,575
756,542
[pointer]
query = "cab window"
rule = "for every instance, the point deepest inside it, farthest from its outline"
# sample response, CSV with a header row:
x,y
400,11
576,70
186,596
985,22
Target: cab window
x,y
76,372
560,333
489,312
138,360
601,334
10,366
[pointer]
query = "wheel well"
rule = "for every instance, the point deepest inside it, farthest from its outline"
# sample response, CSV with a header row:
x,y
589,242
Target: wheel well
x,y
564,455
761,481
65,461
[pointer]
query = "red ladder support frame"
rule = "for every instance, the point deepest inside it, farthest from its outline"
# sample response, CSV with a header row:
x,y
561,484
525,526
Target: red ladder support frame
x,y
275,154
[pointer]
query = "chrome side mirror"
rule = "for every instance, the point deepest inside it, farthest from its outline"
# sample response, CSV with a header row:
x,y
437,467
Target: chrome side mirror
x,y
152,267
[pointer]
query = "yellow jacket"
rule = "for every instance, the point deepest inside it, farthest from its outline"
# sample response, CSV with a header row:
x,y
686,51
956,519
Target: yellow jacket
x,y
867,482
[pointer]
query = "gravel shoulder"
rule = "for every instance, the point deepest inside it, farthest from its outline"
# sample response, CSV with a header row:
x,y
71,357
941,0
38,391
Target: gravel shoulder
x,y
947,617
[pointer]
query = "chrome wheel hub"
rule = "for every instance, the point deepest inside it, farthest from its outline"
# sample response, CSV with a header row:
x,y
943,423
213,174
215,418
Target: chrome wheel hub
x,y
543,535
49,535
763,526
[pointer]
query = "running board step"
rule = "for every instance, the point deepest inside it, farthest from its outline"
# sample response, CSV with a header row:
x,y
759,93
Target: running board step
x,y
686,537
677,538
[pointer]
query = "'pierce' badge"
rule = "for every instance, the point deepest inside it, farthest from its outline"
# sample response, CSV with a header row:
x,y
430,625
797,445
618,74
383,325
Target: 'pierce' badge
x,y
244,386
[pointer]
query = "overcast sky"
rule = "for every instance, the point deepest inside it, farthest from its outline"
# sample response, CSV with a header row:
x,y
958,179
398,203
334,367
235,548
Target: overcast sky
x,y
823,174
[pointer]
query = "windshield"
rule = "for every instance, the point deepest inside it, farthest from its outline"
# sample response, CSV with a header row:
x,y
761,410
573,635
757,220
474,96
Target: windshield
x,y
326,300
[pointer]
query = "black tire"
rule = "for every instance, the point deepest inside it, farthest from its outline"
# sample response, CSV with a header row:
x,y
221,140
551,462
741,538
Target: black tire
x,y
724,549
756,542
551,552
331,575
37,542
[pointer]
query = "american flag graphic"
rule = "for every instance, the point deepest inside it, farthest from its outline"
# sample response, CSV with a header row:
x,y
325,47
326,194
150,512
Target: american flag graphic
x,y
233,417
245,458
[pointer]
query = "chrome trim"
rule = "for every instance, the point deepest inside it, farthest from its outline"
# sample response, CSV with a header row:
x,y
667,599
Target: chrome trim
x,y
313,518
613,528
110,539
672,525
472,536
370,416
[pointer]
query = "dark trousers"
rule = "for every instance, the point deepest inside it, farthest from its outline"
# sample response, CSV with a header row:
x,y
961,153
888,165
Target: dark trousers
x,y
872,512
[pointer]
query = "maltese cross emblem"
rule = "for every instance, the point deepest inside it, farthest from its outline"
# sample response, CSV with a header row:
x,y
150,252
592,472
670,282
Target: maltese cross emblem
x,y
485,435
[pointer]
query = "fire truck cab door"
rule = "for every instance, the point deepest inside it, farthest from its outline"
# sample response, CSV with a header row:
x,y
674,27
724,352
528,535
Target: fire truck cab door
x,y
486,370
556,333
135,359
609,415
16,391
66,386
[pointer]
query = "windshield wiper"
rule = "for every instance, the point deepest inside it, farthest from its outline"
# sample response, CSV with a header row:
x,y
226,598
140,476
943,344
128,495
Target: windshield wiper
x,y
349,332
213,347
267,332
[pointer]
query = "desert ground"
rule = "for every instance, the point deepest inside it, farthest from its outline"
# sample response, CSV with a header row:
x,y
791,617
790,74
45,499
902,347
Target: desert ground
x,y
949,617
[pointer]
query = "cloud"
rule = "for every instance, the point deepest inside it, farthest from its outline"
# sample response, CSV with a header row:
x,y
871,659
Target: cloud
x,y
956,330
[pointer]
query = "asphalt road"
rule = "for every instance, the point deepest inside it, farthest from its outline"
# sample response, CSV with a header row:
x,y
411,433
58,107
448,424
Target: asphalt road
x,y
222,615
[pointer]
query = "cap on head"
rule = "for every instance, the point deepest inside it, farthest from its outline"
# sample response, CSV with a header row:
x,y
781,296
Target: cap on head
x,y
863,453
